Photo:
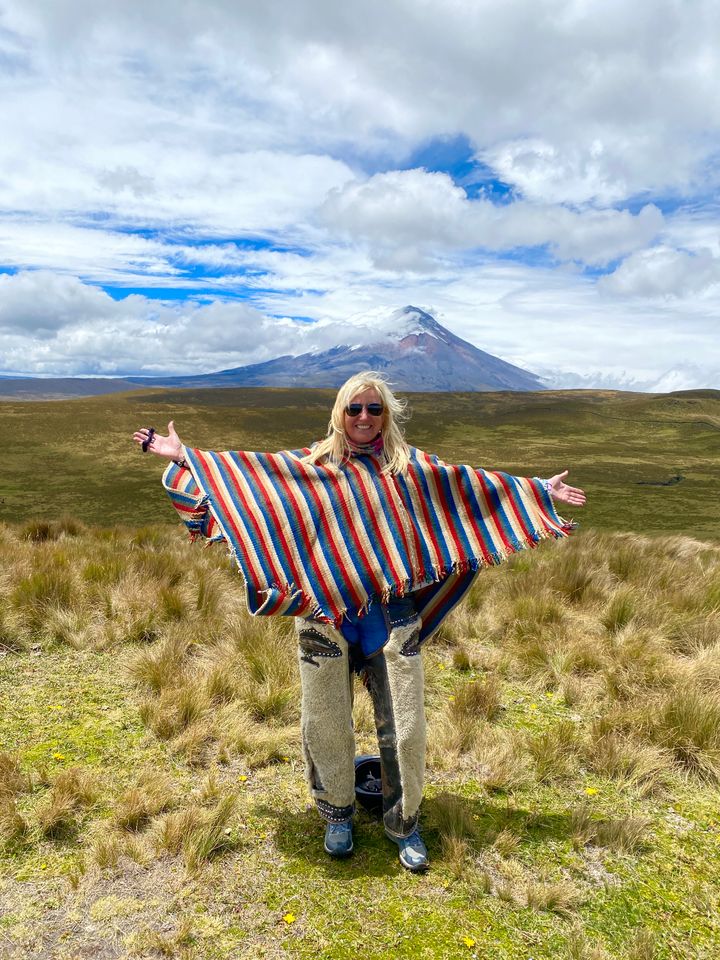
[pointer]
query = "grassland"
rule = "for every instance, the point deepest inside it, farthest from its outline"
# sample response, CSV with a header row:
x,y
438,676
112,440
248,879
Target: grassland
x,y
75,456
151,795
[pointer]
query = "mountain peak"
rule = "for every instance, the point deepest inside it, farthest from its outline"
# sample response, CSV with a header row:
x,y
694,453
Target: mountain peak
x,y
412,320
406,344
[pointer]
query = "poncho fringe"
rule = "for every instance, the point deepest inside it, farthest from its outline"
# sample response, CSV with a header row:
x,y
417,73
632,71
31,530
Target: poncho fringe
x,y
317,540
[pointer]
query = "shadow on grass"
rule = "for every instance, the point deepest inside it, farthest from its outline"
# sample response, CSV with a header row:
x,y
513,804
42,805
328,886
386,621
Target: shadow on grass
x,y
300,838
300,835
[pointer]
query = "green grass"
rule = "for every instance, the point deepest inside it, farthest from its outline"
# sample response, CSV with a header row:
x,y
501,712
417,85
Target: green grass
x,y
76,456
572,796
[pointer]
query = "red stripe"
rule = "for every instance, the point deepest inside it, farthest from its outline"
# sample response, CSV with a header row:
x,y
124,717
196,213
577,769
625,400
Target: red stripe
x,y
511,499
335,482
428,522
488,500
462,478
331,540
328,589
447,511
298,578
238,535
548,523
419,564
415,558
399,577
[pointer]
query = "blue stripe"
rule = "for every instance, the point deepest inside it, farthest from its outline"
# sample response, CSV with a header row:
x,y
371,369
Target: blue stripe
x,y
224,518
442,478
296,525
496,507
325,533
427,560
446,553
369,471
426,599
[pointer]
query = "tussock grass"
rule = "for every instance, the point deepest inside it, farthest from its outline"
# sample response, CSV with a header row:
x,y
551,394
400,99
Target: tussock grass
x,y
71,793
159,943
506,843
626,647
13,825
502,760
197,833
623,758
452,817
623,834
686,721
555,751
154,793
478,699
556,896
619,611
12,779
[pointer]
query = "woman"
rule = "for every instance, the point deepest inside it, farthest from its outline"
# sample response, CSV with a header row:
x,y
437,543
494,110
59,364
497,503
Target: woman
x,y
369,544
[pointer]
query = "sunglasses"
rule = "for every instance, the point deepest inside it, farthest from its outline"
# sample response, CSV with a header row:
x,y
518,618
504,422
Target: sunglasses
x,y
355,409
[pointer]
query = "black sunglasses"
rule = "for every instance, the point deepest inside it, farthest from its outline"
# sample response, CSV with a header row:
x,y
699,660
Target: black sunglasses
x,y
355,409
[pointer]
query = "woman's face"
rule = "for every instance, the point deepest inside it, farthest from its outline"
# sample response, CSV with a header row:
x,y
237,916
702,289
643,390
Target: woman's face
x,y
364,427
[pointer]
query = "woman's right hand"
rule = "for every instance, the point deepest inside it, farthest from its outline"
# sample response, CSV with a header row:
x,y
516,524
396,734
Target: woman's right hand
x,y
169,446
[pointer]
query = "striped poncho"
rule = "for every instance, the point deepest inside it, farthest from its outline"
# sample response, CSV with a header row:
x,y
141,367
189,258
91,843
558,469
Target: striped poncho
x,y
319,540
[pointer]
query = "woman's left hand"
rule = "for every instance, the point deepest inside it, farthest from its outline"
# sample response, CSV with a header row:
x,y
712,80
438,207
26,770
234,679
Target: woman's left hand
x,y
559,490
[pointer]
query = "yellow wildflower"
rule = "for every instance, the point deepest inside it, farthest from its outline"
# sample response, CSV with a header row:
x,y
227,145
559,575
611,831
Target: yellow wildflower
x,y
468,941
591,791
289,918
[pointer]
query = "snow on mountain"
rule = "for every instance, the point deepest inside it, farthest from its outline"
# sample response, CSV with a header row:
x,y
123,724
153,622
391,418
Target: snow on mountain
x,y
408,345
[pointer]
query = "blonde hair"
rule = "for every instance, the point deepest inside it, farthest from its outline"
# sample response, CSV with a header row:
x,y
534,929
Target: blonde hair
x,y
335,448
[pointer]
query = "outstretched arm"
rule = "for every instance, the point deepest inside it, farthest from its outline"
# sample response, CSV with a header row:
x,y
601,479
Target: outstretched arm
x,y
169,446
559,490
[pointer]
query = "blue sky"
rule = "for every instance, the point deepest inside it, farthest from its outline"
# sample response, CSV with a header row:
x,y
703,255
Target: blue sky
x,y
228,182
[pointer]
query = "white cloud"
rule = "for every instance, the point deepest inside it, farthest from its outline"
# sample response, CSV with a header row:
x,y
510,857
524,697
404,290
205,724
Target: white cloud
x,y
141,139
58,325
410,217
664,272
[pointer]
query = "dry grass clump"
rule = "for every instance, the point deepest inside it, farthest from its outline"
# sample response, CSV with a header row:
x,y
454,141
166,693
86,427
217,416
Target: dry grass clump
x,y
506,843
477,699
686,722
620,609
13,825
154,793
40,531
618,756
94,589
623,834
71,793
501,759
160,943
579,947
554,896
12,779
555,751
161,665
197,833
257,743
456,828
240,690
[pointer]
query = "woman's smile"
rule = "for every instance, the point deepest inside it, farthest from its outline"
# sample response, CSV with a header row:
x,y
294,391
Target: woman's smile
x,y
364,427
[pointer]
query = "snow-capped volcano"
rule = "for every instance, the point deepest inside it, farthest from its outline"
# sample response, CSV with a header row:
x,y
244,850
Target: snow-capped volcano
x,y
407,345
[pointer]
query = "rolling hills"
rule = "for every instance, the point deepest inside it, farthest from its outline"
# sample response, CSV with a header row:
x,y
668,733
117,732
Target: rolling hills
x,y
76,456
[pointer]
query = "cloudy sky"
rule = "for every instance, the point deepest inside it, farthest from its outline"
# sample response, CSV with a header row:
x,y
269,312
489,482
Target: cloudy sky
x,y
187,186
